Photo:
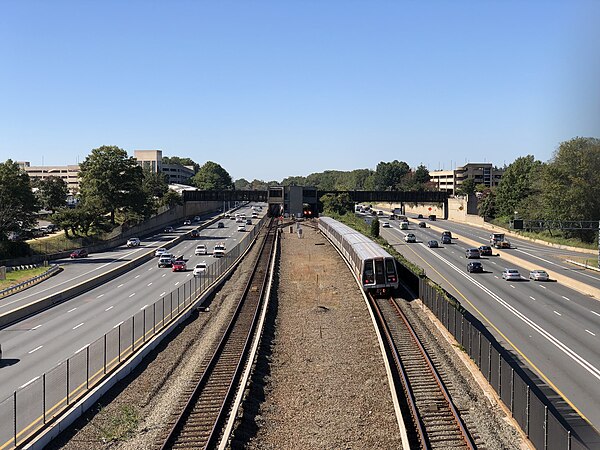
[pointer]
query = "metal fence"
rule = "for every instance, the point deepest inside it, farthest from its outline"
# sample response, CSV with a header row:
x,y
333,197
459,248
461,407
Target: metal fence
x,y
34,405
530,407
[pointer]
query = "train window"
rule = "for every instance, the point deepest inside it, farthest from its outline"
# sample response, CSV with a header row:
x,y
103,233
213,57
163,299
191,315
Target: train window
x,y
379,272
390,268
368,273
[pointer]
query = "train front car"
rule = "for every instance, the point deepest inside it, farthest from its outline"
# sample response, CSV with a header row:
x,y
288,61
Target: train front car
x,y
372,265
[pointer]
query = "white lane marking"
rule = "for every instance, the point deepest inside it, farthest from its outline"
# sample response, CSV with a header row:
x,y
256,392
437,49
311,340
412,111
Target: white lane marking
x,y
143,307
162,295
29,382
132,295
593,370
119,286
71,310
137,276
493,262
557,313
543,287
164,275
496,277
151,268
511,286
101,295
594,312
176,283
35,349
109,308
588,331
531,297
77,326
119,324
149,284
566,298
36,327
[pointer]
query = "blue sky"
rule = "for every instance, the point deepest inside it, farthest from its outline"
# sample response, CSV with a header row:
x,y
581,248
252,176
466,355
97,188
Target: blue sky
x,y
270,89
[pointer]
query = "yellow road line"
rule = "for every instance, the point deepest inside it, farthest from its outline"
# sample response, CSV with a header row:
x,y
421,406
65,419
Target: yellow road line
x,y
491,324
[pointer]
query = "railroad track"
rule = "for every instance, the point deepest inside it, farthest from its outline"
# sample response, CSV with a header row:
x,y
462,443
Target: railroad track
x,y
201,411
437,423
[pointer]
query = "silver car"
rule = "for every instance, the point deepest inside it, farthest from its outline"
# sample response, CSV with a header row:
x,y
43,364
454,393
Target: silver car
x,y
539,275
511,274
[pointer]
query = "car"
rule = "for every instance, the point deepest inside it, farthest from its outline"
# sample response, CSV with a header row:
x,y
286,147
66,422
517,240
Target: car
x,y
446,239
219,250
51,228
472,253
380,213
187,222
539,275
432,217
241,227
79,253
199,269
248,221
160,251
447,233
432,244
200,250
195,234
197,218
169,229
179,266
255,215
474,266
404,225
511,274
220,225
410,238
420,216
133,242
385,224
233,218
165,261
422,225
485,250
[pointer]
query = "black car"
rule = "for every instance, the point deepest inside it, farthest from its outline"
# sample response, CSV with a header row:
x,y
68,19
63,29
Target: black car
x,y
446,239
169,229
485,250
420,216
195,233
422,225
432,244
220,225
474,266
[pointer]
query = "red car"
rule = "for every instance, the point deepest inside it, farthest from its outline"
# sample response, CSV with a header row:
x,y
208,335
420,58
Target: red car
x,y
79,253
179,266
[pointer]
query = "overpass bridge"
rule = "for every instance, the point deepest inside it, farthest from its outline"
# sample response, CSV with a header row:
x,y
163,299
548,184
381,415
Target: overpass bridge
x,y
300,199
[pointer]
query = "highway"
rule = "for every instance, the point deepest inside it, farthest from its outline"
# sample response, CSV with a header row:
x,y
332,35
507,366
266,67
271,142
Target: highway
x,y
35,345
552,328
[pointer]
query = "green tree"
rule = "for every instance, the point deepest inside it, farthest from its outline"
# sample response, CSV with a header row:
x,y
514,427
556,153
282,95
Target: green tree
x,y
52,193
467,187
487,204
242,185
389,175
155,184
111,180
337,203
517,183
570,183
374,230
212,176
172,198
18,203
422,176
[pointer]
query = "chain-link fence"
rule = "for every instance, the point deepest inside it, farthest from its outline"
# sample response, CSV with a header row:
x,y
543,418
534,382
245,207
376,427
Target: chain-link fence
x,y
47,396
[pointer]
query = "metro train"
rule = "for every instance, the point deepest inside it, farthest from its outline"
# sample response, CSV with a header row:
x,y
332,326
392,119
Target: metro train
x,y
372,265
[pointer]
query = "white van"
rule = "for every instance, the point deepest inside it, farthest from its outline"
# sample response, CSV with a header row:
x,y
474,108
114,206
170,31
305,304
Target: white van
x,y
200,250
404,225
219,251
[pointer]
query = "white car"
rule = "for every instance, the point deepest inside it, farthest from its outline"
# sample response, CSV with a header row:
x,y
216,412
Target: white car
x,y
133,242
385,224
539,275
410,238
199,269
511,274
241,227
160,251
200,250
219,250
